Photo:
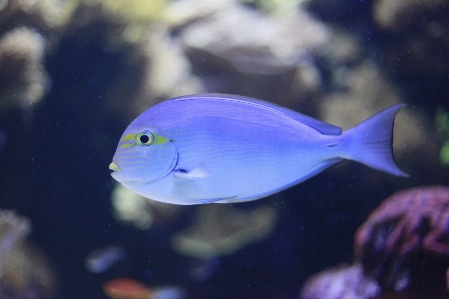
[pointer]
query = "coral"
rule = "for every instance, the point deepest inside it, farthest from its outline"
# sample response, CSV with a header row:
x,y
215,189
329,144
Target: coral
x,y
133,10
23,80
398,15
281,8
442,125
222,230
156,69
404,244
236,49
254,43
362,91
131,19
179,13
28,30
130,207
43,15
170,72
13,231
346,282
421,34
342,51
24,272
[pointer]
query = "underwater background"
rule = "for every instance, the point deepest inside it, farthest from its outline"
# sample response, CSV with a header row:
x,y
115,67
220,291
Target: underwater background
x,y
75,73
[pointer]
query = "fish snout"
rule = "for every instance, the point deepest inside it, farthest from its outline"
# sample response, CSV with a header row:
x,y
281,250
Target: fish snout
x,y
116,171
114,167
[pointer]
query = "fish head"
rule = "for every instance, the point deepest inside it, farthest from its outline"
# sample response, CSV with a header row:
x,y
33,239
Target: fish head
x,y
143,156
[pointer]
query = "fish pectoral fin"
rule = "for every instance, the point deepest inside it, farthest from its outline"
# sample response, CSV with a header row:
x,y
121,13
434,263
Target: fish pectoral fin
x,y
195,173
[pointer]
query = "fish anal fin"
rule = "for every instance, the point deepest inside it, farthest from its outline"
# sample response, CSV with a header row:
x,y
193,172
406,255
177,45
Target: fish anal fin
x,y
228,199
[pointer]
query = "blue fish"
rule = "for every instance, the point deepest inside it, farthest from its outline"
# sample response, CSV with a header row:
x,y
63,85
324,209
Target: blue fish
x,y
225,148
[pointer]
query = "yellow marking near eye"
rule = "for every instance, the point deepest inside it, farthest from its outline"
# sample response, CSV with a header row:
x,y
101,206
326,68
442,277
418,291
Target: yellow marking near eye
x,y
158,139
128,137
129,140
127,145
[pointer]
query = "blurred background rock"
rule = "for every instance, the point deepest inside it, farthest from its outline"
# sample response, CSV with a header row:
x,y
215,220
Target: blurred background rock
x,y
74,73
401,251
24,270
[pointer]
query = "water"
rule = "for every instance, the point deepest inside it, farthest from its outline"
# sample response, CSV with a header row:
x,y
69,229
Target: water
x,y
54,167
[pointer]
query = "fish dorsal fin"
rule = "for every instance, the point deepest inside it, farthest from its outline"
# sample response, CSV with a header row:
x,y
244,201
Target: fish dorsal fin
x,y
318,125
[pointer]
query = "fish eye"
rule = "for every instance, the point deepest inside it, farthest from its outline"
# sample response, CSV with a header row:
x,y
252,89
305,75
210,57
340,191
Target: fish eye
x,y
145,138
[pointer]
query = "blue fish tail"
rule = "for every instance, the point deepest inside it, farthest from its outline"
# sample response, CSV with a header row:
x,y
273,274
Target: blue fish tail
x,y
371,142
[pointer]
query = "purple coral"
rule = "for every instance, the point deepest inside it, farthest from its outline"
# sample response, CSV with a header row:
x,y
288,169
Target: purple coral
x,y
344,281
404,244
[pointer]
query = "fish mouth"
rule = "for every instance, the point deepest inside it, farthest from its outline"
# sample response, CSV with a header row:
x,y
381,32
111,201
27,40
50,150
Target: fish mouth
x,y
114,167
117,172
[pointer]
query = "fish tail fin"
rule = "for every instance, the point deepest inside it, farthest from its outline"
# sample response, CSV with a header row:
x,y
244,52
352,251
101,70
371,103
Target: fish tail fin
x,y
371,142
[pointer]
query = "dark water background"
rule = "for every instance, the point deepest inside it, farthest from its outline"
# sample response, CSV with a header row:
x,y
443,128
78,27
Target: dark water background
x,y
54,170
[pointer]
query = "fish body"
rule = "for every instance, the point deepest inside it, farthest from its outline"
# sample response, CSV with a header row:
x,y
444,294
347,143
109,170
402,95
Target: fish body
x,y
225,148
128,288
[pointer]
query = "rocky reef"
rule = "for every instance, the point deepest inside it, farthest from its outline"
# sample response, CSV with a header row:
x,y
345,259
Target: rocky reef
x,y
401,251
24,270
29,30
404,243
420,30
